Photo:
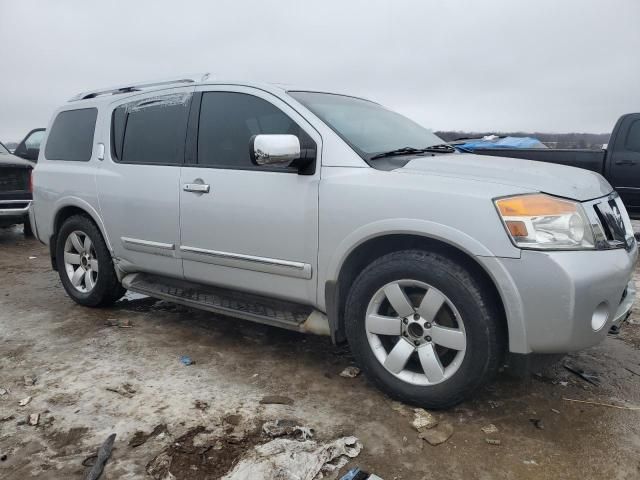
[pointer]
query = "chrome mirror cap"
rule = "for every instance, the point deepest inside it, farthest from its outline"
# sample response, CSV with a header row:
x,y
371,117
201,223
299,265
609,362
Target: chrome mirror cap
x,y
277,150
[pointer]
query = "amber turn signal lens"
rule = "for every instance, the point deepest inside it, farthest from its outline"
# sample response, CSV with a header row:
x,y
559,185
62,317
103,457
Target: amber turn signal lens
x,y
534,205
517,228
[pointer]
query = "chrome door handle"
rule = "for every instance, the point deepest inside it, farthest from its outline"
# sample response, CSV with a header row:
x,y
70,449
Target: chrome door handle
x,y
196,187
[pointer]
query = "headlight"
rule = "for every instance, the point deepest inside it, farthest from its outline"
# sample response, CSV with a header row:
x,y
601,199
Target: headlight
x,y
543,222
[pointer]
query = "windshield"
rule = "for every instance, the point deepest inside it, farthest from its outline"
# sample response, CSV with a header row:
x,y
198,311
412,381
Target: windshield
x,y
369,128
3,149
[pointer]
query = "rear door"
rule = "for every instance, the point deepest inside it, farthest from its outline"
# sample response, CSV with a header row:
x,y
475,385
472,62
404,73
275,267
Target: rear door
x,y
138,181
624,162
250,228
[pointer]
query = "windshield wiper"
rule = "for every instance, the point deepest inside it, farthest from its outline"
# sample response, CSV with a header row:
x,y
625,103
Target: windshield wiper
x,y
443,148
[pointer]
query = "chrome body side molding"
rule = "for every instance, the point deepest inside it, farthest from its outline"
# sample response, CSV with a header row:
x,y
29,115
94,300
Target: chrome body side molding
x,y
248,262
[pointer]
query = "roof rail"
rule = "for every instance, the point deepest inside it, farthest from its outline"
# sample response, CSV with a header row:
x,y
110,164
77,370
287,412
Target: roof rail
x,y
134,87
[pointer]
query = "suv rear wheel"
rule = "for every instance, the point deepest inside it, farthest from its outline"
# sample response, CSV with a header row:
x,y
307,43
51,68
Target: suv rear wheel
x,y
423,328
85,265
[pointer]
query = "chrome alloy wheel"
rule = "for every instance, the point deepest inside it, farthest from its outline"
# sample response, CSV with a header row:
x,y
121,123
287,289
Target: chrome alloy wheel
x,y
415,332
80,261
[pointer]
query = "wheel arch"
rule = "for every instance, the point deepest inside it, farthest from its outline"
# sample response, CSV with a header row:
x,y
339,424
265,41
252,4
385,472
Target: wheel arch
x,y
66,210
364,253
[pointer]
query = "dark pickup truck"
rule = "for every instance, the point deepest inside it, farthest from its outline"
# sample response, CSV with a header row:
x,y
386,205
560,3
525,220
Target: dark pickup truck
x,y
15,190
619,163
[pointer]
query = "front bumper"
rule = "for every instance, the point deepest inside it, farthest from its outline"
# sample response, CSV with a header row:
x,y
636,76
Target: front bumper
x,y
14,211
551,298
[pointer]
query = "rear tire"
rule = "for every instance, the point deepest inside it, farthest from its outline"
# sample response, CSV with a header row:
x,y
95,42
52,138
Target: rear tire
x,y
28,233
424,329
85,265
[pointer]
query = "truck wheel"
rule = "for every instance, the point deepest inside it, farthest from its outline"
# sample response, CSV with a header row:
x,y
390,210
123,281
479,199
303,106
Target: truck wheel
x,y
423,328
26,229
85,265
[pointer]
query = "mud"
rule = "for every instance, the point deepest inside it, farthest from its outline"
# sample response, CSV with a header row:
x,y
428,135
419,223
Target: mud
x,y
76,356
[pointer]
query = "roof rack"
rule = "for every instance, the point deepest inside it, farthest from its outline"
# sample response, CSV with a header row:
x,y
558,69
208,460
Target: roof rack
x,y
139,86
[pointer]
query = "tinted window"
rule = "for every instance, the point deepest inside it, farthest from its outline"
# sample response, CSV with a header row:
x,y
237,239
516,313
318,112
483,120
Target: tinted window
x,y
633,137
229,120
152,130
71,136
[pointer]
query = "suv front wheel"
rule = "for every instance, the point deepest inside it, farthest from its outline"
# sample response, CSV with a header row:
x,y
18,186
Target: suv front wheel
x,y
423,328
85,265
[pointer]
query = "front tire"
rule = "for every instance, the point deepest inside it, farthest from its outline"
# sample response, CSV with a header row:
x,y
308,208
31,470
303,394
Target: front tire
x,y
85,265
423,328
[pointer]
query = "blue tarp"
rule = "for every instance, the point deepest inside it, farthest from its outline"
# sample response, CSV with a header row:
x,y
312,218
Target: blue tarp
x,y
506,142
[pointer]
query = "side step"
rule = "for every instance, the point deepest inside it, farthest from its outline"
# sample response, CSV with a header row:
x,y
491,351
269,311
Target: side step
x,y
277,313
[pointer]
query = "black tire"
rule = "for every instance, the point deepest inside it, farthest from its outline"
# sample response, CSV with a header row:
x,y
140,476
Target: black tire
x,y
107,289
26,227
485,335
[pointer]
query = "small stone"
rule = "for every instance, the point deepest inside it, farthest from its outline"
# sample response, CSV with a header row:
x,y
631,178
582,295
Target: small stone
x,y
489,429
34,418
24,401
436,436
423,420
555,411
276,400
3,391
29,380
350,372
536,422
493,441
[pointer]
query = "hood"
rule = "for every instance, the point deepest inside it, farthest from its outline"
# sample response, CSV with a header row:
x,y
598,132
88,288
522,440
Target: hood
x,y
530,175
11,160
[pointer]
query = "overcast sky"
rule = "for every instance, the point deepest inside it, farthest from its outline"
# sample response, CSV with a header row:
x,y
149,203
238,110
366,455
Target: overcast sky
x,y
537,65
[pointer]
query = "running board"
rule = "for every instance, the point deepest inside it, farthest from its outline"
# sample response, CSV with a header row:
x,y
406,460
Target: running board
x,y
278,313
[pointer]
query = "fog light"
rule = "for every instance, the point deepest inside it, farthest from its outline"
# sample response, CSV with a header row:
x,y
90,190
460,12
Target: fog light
x,y
600,316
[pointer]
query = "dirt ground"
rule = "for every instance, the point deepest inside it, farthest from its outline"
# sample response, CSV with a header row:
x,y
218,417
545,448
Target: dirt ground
x,y
94,379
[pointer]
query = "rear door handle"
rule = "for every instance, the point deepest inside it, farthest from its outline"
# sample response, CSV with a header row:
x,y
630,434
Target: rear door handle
x,y
625,162
196,187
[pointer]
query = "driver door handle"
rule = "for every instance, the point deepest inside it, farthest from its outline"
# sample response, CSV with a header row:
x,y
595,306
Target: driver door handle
x,y
625,162
196,187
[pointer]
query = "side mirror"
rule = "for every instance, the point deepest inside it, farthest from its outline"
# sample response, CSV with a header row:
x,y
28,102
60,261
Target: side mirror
x,y
276,150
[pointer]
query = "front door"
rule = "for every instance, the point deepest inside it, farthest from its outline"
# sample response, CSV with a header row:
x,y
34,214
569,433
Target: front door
x,y
139,180
624,163
242,226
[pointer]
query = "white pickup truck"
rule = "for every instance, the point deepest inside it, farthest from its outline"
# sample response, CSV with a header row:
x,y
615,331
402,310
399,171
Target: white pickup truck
x,y
331,214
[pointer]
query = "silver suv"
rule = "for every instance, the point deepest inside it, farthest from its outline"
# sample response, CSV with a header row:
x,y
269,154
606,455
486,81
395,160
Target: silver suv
x,y
333,215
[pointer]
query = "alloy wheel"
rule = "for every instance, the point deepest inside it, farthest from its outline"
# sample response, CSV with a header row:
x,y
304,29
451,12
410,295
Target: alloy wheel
x,y
80,261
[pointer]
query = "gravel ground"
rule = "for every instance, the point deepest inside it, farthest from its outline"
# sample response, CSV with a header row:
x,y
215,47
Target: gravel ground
x,y
94,379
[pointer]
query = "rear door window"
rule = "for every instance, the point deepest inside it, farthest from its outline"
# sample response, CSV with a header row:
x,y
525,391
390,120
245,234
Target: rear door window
x,y
151,131
71,135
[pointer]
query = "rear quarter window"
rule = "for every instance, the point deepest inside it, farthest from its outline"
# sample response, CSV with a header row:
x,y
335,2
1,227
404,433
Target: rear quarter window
x,y
71,135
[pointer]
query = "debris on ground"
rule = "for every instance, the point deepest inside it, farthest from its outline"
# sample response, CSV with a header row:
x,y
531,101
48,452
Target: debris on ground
x,y
233,419
3,391
493,441
489,429
350,372
7,418
104,452
495,403
436,436
286,459
126,390
632,371
141,437
124,323
530,462
24,401
423,420
555,411
357,474
537,422
621,407
34,418
281,428
590,377
276,400
201,405
3,458
29,380
187,360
